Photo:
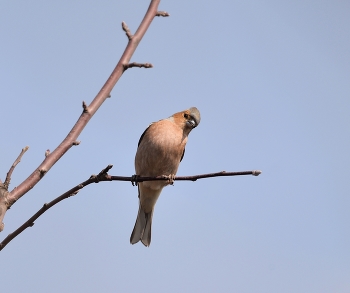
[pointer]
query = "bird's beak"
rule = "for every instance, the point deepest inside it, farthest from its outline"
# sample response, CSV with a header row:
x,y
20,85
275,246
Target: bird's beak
x,y
191,123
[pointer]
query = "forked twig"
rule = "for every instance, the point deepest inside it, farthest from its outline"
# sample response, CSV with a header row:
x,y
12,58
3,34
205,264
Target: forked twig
x,y
103,176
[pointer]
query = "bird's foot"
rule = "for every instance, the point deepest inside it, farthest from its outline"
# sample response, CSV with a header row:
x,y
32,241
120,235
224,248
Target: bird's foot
x,y
134,180
170,179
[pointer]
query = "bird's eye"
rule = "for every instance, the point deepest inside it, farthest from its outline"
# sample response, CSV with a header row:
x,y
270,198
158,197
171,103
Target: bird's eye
x,y
186,115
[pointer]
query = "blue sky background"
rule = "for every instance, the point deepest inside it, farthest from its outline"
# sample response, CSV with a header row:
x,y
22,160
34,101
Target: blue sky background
x,y
271,79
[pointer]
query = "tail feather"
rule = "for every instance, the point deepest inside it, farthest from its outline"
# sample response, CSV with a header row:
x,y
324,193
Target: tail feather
x,y
142,228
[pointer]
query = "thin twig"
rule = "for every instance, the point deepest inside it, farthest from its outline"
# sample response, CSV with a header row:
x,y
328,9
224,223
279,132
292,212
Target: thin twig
x,y
126,30
134,64
103,176
162,13
9,173
184,178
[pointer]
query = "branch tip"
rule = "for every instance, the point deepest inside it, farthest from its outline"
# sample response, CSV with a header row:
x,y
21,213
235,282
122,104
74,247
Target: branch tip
x,y
105,170
256,172
77,142
47,152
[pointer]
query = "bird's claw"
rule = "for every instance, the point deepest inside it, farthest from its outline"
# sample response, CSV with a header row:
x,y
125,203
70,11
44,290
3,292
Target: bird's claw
x,y
134,180
170,179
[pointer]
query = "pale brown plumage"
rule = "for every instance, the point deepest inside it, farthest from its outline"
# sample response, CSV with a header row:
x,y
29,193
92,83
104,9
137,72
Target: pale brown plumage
x,y
160,151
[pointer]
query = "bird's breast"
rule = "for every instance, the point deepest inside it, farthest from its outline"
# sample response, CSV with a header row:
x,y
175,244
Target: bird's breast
x,y
160,150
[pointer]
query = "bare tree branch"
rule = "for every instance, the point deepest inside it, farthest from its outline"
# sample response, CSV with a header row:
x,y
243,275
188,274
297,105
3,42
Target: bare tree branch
x,y
88,112
103,176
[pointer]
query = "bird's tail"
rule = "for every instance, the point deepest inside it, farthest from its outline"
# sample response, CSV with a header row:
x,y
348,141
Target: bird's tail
x,y
142,228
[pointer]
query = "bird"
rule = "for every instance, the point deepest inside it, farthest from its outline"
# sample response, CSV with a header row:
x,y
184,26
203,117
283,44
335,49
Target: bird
x,y
160,150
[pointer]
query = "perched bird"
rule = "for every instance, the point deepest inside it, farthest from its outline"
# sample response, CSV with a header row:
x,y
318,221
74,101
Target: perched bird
x,y
160,151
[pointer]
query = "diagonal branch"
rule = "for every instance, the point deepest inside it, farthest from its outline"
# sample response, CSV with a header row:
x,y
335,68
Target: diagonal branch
x,y
89,111
103,176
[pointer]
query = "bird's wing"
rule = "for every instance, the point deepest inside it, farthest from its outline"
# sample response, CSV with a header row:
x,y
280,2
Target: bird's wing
x,y
143,134
182,155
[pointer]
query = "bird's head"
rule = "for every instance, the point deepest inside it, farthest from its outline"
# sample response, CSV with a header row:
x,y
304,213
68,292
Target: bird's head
x,y
187,119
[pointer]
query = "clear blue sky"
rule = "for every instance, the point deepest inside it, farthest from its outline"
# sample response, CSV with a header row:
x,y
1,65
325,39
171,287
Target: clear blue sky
x,y
272,81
